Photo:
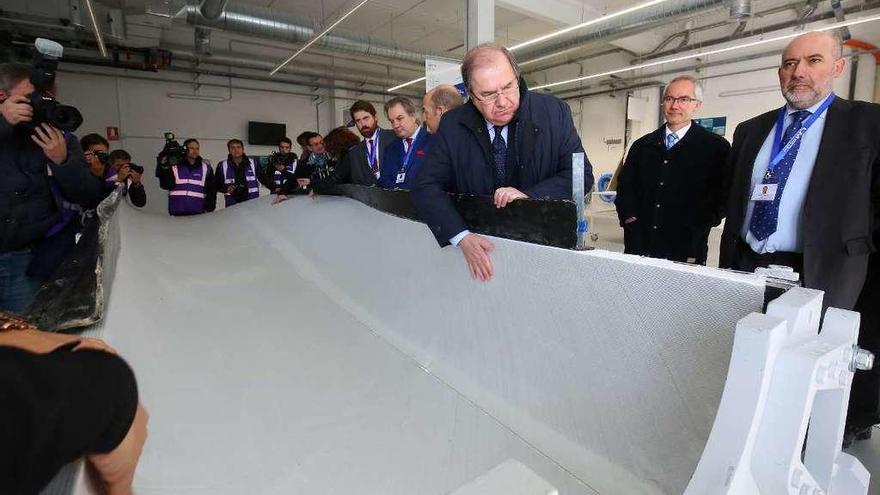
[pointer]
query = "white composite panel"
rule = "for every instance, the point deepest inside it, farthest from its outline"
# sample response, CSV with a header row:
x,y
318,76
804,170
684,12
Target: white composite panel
x,y
267,342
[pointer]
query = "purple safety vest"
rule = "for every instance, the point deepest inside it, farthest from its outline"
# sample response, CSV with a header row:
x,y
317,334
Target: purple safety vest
x,y
278,177
188,195
250,175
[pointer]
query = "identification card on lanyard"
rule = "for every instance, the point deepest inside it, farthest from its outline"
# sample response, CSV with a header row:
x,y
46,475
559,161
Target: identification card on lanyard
x,y
401,176
766,191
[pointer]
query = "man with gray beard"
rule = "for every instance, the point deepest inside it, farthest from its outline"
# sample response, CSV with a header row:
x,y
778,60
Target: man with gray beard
x,y
805,192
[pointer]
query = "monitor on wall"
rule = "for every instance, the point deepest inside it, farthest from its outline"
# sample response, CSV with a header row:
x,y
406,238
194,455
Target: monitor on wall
x,y
266,133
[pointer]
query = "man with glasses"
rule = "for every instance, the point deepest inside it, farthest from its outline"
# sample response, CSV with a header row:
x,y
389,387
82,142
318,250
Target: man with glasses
x,y
506,142
805,192
670,187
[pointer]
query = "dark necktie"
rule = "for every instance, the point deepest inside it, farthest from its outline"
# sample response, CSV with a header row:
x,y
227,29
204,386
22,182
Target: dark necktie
x,y
765,215
500,155
372,158
408,145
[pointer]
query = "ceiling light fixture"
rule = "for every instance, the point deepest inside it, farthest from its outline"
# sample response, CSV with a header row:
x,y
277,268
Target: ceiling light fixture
x,y
554,34
582,25
319,36
716,51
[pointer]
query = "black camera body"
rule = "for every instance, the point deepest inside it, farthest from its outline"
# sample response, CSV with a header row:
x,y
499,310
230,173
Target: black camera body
x,y
46,108
279,160
173,153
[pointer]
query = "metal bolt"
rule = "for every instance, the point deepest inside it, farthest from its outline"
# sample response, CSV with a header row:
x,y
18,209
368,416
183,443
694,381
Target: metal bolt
x,y
862,360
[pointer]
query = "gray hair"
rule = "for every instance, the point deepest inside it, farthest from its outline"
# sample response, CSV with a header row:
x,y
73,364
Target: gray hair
x,y
478,56
12,74
446,96
403,101
698,87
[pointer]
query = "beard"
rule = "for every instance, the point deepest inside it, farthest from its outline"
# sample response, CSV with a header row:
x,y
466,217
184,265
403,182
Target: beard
x,y
804,98
368,132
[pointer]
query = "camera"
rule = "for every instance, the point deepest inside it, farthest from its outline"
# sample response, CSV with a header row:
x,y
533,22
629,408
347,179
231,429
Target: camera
x,y
173,153
279,160
46,108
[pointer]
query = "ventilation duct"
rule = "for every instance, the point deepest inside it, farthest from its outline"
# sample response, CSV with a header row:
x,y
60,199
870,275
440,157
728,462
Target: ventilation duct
x,y
740,9
271,24
212,9
625,25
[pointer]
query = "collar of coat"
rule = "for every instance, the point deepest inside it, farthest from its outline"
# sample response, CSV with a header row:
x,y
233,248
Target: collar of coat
x,y
526,131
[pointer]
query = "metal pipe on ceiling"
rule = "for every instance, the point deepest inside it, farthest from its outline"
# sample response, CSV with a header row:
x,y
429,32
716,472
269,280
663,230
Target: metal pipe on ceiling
x,y
211,9
625,25
272,24
865,7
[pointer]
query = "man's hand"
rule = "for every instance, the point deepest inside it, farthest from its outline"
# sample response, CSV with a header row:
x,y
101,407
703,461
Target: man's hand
x,y
40,342
17,109
123,172
476,252
629,220
230,189
505,195
303,182
279,198
135,177
52,142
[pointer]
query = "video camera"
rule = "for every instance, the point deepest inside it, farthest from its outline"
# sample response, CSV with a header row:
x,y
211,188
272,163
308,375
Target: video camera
x,y
173,153
279,160
46,108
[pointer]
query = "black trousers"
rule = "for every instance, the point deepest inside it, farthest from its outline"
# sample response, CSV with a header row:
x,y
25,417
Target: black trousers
x,y
864,399
747,260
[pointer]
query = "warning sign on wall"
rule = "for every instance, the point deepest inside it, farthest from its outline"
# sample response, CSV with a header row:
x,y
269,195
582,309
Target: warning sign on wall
x,y
112,134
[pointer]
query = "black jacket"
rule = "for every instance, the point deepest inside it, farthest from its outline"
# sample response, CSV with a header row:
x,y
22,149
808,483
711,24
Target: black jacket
x,y
841,214
356,169
675,194
460,159
27,207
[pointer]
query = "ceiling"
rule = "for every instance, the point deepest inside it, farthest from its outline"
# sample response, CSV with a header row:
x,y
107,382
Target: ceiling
x,y
433,26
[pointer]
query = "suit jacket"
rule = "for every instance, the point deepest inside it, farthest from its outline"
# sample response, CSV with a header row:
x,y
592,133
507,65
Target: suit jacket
x,y
674,194
460,159
356,169
842,207
392,161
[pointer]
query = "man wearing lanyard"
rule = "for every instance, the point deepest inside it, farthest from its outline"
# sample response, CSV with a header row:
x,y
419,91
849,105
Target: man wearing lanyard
x,y
364,163
404,156
805,183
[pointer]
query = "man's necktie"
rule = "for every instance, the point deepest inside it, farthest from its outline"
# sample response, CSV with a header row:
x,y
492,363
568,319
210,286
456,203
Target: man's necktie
x,y
500,155
765,216
671,139
373,158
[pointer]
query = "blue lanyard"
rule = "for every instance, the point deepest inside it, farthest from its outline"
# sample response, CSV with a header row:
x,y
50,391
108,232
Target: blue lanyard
x,y
779,151
408,154
371,155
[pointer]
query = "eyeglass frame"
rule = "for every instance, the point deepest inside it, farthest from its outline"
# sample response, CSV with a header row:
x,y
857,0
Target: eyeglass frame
x,y
493,97
681,99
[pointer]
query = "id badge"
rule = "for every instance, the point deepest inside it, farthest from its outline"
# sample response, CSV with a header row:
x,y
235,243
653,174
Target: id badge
x,y
401,177
764,192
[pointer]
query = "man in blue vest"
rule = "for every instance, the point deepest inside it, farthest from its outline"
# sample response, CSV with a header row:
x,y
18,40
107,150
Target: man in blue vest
x,y
236,176
403,157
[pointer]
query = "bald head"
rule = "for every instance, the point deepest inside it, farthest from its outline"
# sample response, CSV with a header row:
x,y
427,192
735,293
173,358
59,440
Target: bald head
x,y
810,64
438,101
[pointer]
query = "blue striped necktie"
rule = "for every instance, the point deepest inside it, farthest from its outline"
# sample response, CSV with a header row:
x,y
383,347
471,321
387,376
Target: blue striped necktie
x,y
765,216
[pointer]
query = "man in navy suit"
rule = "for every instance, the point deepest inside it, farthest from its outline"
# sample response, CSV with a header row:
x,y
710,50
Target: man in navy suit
x,y
403,157
506,142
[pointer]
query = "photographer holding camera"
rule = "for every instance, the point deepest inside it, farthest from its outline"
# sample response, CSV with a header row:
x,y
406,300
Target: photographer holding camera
x,y
188,178
236,176
129,174
35,142
281,168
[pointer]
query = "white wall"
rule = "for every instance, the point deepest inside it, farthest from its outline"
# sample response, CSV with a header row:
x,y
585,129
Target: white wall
x,y
601,117
142,111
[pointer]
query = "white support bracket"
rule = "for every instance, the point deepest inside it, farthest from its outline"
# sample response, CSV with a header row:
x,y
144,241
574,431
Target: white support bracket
x,y
787,383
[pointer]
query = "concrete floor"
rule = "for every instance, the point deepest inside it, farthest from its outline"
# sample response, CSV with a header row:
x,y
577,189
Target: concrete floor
x,y
610,236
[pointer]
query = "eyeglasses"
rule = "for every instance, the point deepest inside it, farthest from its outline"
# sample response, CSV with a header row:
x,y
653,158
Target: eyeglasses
x,y
684,100
507,91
